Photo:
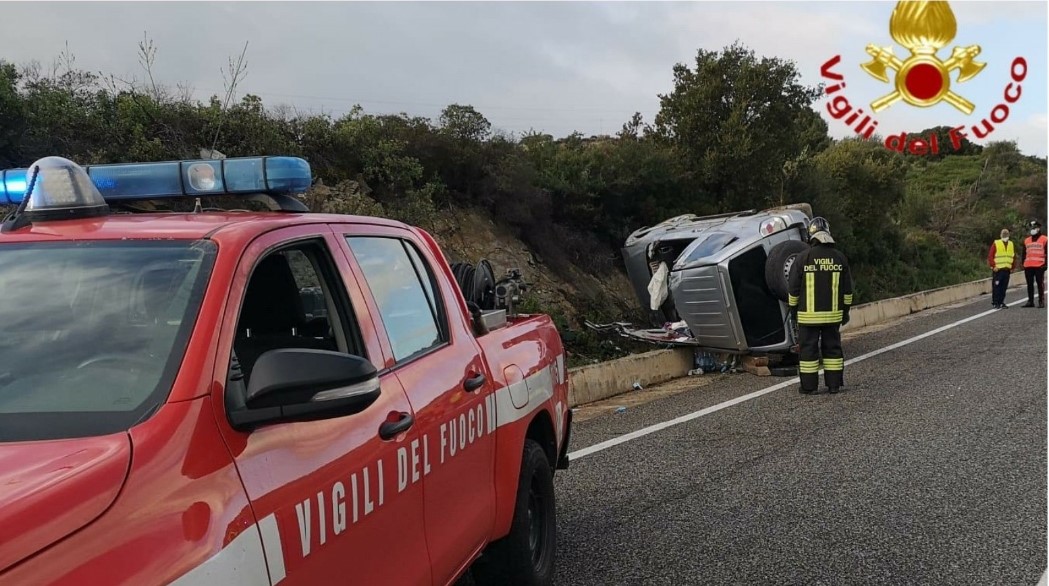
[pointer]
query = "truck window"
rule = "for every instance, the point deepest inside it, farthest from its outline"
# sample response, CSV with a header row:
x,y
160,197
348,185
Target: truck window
x,y
308,282
404,289
293,300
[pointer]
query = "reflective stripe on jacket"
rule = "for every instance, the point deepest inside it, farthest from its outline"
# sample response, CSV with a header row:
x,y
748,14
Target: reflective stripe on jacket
x,y
820,285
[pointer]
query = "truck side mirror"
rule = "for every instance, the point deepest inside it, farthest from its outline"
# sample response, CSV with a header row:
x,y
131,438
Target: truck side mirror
x,y
299,384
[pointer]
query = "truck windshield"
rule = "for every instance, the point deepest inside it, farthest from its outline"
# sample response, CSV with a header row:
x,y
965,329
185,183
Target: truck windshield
x,y
93,332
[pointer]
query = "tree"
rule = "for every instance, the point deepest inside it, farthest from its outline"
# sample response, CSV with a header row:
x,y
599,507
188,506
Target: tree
x,y
12,115
945,144
737,119
1003,154
859,183
465,123
634,128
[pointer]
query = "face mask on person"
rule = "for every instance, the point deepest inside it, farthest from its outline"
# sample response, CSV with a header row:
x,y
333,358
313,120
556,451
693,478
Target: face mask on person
x,y
1005,239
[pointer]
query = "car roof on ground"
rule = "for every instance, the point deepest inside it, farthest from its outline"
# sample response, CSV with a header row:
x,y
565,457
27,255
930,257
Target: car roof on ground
x,y
175,226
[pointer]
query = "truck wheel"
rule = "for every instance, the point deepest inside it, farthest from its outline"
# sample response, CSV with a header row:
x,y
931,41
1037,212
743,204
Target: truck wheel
x,y
525,557
777,267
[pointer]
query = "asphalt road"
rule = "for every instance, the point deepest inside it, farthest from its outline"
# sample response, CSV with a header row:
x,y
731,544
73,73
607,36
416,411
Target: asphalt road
x,y
931,469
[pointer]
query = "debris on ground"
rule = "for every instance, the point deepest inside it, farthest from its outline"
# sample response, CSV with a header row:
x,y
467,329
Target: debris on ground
x,y
678,330
704,362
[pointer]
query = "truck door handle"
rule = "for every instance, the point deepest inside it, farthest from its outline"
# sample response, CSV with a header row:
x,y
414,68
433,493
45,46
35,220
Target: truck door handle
x,y
391,429
475,382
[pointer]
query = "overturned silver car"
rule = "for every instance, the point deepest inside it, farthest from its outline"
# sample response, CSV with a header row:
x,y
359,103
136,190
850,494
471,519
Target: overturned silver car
x,y
717,282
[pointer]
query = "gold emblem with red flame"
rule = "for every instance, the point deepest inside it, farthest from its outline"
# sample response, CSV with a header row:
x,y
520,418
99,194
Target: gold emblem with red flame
x,y
923,79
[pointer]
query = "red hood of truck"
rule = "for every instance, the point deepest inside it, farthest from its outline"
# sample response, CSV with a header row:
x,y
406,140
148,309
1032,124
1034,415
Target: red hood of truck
x,y
50,489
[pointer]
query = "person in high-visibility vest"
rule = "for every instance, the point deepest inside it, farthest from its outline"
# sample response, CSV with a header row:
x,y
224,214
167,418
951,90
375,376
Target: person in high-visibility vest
x,y
819,295
1034,263
1002,259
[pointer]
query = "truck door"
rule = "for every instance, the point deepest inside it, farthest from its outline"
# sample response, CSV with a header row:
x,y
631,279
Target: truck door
x,y
325,493
437,360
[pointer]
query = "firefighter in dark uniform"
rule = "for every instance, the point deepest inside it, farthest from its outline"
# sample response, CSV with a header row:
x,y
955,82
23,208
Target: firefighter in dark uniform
x,y
819,296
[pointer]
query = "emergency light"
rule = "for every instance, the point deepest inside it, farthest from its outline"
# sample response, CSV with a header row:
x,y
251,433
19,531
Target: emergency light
x,y
177,179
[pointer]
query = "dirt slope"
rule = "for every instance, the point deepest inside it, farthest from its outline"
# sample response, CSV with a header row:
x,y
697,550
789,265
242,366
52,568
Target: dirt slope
x,y
468,236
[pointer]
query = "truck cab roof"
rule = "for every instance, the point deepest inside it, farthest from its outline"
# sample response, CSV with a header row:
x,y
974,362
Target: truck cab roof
x,y
218,225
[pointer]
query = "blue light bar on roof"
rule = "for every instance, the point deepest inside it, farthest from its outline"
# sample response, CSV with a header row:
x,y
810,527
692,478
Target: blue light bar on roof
x,y
137,181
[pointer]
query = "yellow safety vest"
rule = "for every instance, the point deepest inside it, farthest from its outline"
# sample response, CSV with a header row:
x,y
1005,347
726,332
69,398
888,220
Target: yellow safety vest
x,y
1003,254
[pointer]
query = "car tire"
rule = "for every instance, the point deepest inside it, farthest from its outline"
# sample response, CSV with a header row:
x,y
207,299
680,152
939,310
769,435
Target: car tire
x,y
783,371
777,267
525,557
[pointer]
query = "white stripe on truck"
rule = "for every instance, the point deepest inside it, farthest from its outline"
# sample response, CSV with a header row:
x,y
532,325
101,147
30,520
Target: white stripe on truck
x,y
540,386
241,563
273,547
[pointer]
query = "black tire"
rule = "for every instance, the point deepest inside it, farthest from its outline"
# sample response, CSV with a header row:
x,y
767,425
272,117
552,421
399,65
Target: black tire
x,y
784,365
777,267
517,560
783,371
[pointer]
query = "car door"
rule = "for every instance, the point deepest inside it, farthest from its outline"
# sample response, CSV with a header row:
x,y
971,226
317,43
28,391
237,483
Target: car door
x,y
325,493
437,360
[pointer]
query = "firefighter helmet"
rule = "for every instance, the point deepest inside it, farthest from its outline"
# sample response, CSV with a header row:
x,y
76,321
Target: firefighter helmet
x,y
819,230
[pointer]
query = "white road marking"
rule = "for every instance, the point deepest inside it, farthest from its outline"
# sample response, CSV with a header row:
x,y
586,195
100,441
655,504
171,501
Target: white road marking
x,y
714,408
1045,579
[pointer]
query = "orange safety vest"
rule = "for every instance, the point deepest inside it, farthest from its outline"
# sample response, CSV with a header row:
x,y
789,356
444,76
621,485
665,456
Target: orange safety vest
x,y
1034,256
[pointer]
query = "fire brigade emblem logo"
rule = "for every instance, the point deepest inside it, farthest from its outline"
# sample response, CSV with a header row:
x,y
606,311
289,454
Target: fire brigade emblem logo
x,y
923,79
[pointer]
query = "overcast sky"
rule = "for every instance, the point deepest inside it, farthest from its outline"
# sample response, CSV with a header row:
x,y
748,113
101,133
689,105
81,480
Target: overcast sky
x,y
549,66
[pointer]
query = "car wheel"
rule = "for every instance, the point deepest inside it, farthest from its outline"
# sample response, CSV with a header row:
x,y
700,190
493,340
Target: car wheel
x,y
783,371
525,557
777,267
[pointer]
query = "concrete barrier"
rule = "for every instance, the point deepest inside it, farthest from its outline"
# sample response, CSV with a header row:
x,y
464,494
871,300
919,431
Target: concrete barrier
x,y
607,379
877,312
